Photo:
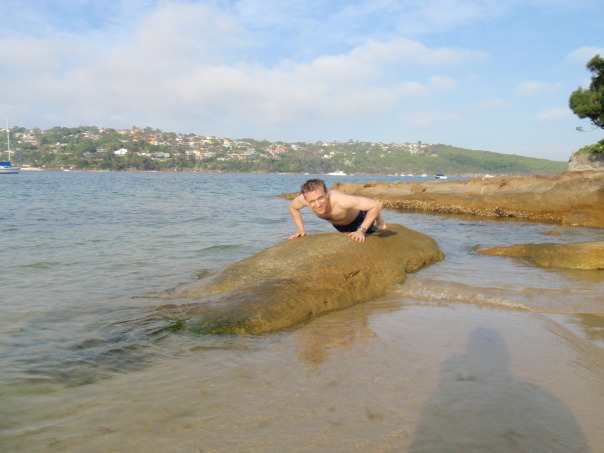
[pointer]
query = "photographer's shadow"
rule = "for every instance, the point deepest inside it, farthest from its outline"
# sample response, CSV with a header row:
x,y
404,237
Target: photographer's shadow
x,y
481,407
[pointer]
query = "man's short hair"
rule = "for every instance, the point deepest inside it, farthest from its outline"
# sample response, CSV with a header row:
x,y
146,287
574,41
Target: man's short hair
x,y
312,185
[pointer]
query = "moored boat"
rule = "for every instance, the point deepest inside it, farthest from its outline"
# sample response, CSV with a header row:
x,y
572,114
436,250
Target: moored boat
x,y
6,167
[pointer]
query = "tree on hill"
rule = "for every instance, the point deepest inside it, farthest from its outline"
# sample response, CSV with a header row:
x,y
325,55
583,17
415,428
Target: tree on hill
x,y
589,103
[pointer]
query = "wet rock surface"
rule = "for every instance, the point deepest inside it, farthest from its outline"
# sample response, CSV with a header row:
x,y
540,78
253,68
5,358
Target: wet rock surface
x,y
578,255
296,280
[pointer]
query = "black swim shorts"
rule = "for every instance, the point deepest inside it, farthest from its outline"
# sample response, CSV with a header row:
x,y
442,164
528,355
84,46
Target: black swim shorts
x,y
356,224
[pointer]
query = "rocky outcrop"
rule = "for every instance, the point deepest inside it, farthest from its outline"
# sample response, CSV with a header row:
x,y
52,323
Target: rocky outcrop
x,y
579,255
570,198
582,162
295,280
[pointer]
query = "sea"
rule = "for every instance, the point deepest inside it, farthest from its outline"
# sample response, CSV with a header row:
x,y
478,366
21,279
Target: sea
x,y
474,353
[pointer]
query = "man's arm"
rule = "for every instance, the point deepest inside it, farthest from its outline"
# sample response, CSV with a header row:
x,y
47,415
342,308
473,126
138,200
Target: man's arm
x,y
294,209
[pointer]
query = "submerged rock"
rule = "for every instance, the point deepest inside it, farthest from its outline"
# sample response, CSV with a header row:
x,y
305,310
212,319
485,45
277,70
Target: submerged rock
x,y
295,280
578,255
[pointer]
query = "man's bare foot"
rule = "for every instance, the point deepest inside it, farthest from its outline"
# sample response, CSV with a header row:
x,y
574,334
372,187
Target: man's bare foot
x,y
381,227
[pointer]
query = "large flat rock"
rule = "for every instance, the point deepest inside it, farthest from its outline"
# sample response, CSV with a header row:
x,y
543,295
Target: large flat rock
x,y
295,280
570,198
578,255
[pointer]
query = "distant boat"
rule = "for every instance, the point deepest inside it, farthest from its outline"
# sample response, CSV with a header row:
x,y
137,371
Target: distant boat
x,y
440,176
6,167
337,173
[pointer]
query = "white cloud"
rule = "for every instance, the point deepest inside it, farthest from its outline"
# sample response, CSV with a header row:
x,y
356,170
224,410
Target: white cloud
x,y
430,119
50,55
442,83
442,15
532,88
584,54
411,89
184,33
403,52
554,114
494,103
341,86
180,63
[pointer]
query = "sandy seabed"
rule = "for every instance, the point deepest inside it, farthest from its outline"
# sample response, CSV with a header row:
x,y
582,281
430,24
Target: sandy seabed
x,y
390,375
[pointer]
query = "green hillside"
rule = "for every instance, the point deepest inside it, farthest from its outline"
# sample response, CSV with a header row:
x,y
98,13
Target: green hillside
x,y
90,148
457,160
445,159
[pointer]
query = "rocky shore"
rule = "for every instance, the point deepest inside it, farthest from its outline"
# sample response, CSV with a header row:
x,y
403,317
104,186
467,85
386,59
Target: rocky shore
x,y
570,198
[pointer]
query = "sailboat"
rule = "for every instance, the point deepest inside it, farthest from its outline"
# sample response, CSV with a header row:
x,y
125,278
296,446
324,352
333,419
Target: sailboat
x,y
7,167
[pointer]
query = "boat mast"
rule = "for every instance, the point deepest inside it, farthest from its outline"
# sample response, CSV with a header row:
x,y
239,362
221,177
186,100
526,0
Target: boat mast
x,y
7,136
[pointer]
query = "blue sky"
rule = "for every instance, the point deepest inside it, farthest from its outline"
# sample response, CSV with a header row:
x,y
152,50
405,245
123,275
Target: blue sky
x,y
492,75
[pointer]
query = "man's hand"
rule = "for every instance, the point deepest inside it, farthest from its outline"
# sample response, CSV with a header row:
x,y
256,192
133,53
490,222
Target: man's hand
x,y
357,235
299,234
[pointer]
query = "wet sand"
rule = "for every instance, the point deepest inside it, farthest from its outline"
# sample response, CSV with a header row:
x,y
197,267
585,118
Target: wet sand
x,y
390,375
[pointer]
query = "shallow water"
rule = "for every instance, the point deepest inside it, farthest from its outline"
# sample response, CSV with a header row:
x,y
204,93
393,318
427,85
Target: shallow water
x,y
513,353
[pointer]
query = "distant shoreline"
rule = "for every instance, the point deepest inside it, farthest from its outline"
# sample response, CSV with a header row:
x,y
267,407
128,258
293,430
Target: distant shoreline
x,y
133,170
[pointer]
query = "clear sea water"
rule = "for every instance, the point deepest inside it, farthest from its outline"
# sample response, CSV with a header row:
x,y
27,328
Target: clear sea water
x,y
87,257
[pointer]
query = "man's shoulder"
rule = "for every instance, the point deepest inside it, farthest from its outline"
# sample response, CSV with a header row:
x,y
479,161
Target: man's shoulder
x,y
341,198
339,194
336,193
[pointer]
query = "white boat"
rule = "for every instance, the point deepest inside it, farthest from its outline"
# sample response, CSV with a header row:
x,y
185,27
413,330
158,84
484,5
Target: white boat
x,y
440,176
6,167
337,173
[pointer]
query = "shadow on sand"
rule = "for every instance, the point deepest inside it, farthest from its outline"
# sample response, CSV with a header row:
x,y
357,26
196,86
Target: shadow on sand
x,y
481,407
